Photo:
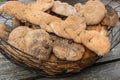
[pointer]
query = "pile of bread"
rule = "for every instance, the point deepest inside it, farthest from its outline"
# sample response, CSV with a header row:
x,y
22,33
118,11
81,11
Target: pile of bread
x,y
56,31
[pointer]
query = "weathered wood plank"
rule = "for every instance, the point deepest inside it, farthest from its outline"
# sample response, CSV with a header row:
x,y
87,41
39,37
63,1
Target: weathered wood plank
x,y
111,71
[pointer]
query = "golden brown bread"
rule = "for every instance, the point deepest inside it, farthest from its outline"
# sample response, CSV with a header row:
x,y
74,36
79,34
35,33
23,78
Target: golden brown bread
x,y
4,32
41,5
78,6
38,43
93,11
63,8
13,10
74,23
71,27
100,28
66,50
71,52
111,18
96,42
16,37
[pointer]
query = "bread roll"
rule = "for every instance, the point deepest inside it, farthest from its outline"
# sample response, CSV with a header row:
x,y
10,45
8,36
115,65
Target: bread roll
x,y
38,43
16,37
65,50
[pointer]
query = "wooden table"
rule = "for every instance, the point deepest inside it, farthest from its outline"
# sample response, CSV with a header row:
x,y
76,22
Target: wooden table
x,y
110,71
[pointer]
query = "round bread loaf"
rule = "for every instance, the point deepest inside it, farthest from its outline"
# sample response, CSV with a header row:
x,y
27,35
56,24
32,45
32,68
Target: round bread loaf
x,y
38,43
16,37
66,50
93,11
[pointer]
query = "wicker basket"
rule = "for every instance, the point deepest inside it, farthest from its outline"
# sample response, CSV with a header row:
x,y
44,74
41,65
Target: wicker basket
x,y
54,68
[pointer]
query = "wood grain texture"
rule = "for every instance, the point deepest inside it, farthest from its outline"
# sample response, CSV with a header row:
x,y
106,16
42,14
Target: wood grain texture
x,y
111,71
